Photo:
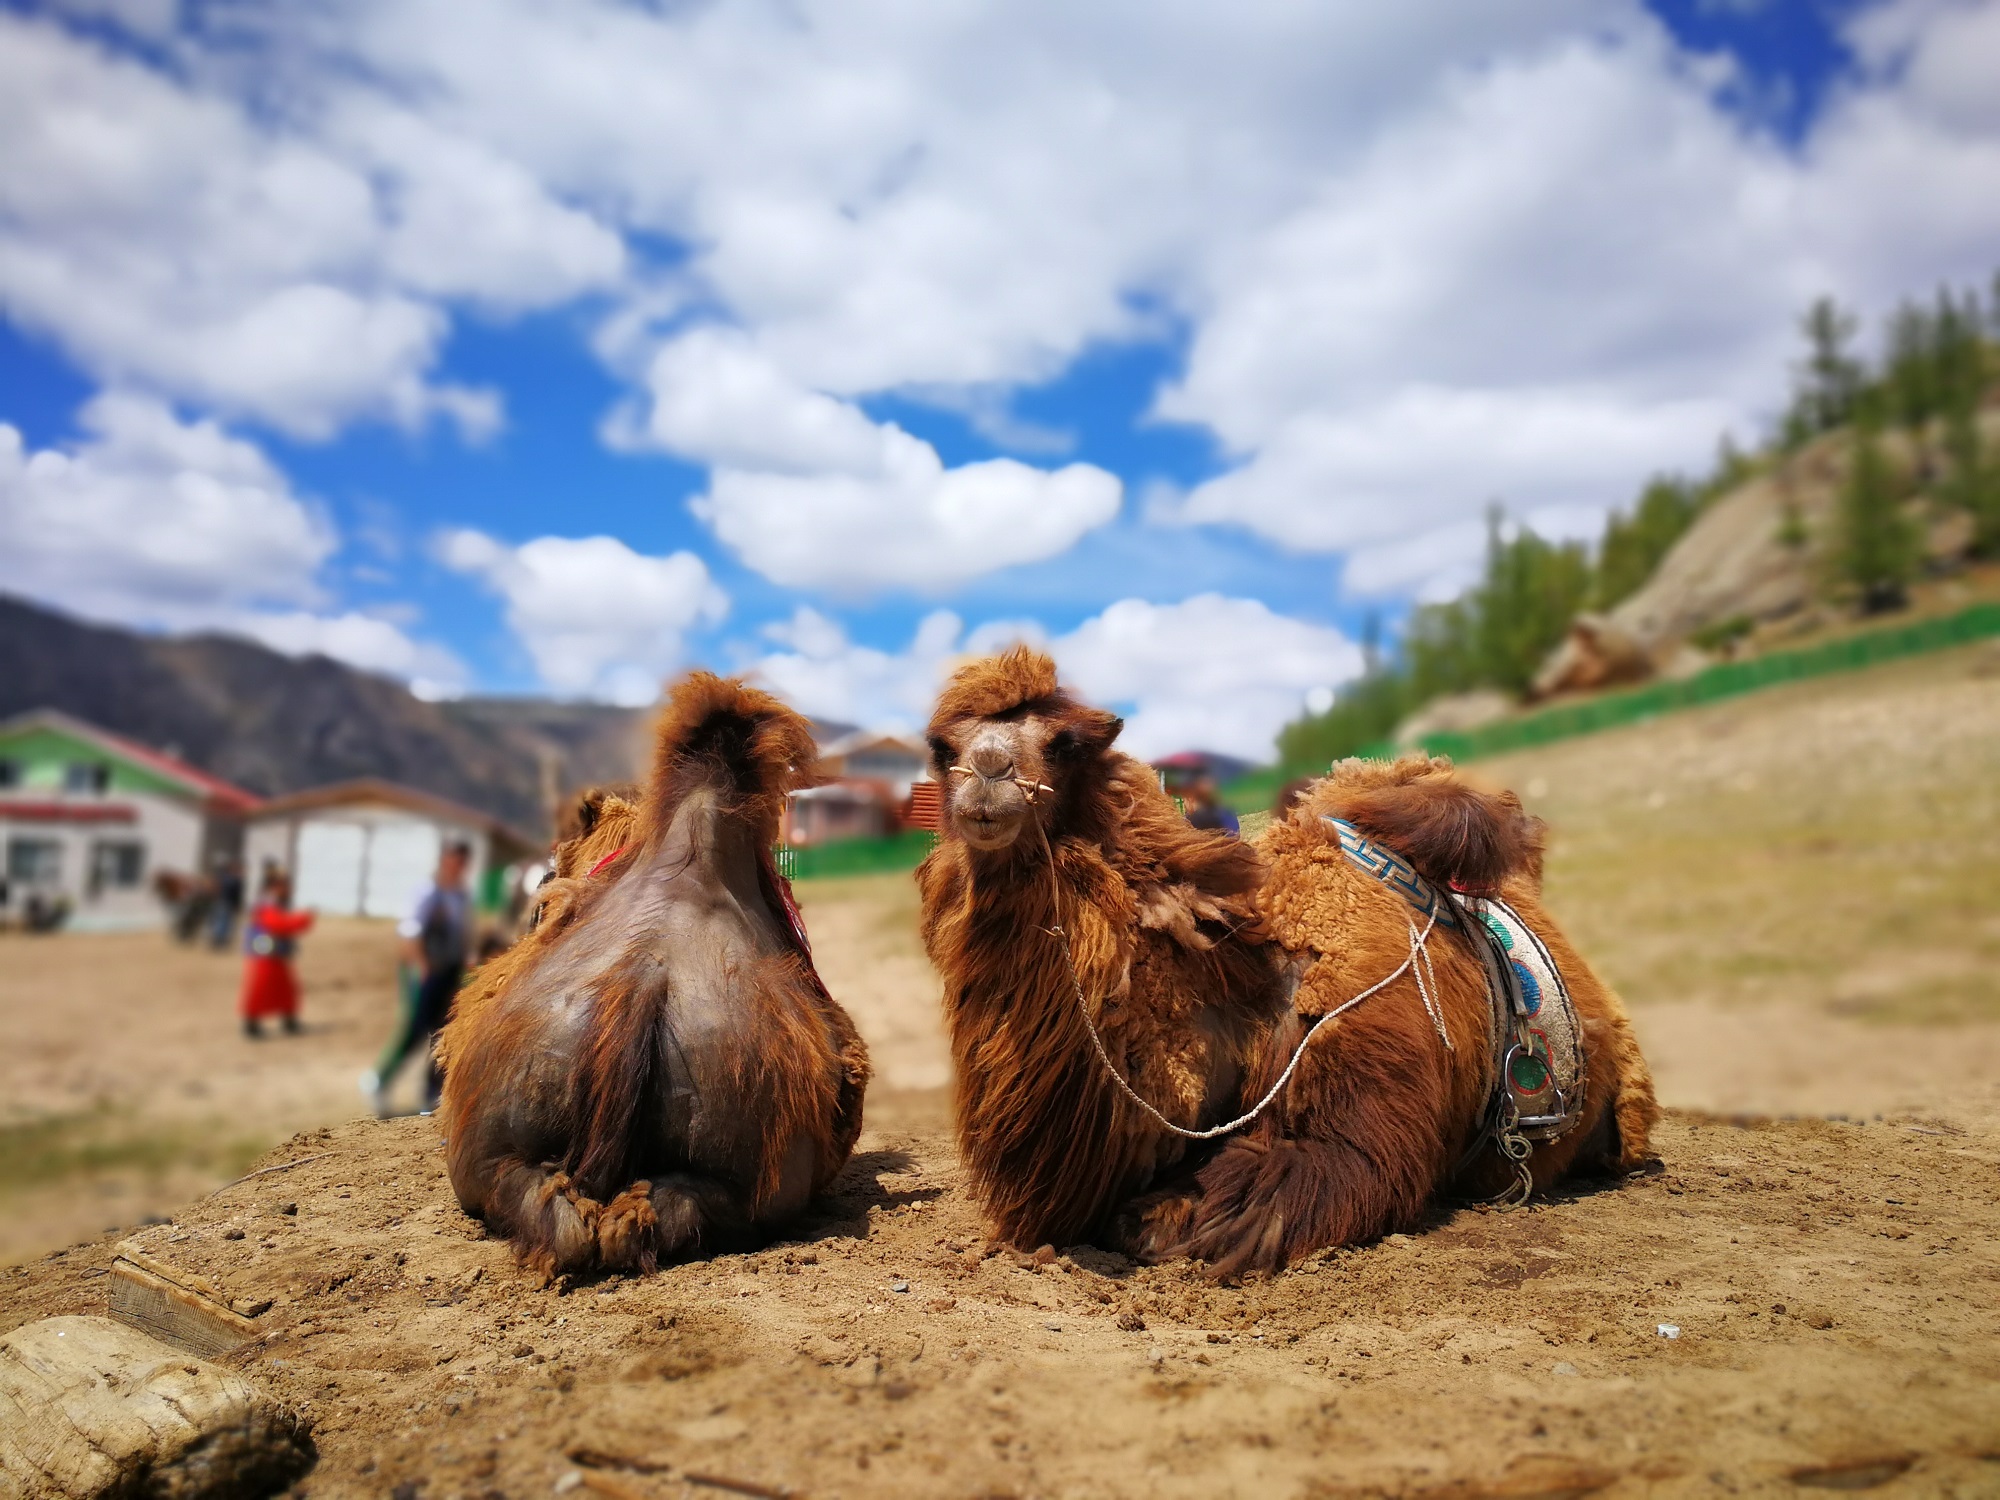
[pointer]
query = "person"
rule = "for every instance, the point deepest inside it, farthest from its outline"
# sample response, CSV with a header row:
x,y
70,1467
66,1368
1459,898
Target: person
x,y
270,939
228,903
1205,809
436,935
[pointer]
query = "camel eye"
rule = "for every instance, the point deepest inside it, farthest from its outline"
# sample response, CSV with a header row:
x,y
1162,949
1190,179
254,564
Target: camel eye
x,y
1064,744
941,750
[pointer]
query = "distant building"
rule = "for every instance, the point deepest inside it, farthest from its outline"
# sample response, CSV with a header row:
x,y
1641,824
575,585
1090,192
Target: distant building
x,y
867,791
90,818
364,848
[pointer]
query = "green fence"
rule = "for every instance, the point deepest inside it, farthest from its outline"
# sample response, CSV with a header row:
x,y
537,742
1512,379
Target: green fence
x,y
900,851
1635,706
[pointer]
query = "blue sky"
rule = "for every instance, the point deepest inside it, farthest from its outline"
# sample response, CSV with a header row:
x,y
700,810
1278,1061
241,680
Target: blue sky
x,y
505,350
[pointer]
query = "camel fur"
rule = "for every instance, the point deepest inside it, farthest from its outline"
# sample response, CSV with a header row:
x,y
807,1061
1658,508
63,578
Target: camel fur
x,y
654,1071
1203,960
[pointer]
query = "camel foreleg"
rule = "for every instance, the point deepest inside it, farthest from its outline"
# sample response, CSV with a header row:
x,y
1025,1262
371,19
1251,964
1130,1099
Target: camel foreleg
x,y
554,1225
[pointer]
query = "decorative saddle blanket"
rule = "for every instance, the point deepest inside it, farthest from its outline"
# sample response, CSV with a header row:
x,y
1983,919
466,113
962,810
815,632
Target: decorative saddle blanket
x,y
1537,1045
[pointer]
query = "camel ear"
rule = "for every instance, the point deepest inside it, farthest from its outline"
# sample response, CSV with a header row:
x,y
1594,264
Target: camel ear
x,y
1084,731
589,808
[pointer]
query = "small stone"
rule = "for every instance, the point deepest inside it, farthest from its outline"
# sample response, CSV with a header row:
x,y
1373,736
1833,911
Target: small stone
x,y
1053,1327
1564,1367
1130,1322
1156,1357
1218,1338
232,1234
941,1304
289,1210
1670,1330
899,1286
1046,1256
569,1481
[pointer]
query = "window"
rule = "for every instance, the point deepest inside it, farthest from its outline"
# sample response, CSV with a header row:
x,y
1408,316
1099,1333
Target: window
x,y
34,862
116,865
89,776
10,773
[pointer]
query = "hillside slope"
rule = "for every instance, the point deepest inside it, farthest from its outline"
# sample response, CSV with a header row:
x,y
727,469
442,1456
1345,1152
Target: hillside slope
x,y
274,723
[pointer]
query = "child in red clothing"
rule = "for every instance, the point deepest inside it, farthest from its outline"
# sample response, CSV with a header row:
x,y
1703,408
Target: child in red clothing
x,y
269,986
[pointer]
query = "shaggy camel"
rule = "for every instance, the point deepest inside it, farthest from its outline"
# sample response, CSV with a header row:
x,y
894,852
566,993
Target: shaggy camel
x,y
655,1071
1120,987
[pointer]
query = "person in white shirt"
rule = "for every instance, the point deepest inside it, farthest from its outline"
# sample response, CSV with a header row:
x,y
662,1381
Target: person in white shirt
x,y
436,937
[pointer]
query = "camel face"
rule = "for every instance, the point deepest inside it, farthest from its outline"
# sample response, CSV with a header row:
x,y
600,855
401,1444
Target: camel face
x,y
989,773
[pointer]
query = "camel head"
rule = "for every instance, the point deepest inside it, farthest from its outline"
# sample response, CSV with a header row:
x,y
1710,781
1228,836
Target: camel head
x,y
1011,749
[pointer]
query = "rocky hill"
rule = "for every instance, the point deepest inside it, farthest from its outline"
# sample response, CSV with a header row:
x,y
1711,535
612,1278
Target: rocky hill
x,y
274,723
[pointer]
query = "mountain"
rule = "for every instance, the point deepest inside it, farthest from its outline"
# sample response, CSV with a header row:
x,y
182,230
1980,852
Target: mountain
x,y
273,723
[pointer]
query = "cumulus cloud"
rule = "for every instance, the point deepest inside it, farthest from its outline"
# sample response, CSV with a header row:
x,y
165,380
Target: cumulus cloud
x,y
1425,256
597,618
811,492
1210,672
154,519
170,236
157,522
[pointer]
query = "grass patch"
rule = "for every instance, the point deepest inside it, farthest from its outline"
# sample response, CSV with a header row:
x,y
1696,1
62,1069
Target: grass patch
x,y
110,1143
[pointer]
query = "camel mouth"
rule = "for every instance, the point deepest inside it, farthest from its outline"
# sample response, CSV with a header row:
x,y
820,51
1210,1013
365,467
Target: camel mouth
x,y
985,829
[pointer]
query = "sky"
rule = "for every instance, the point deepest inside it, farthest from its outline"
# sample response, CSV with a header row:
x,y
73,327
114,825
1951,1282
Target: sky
x,y
505,347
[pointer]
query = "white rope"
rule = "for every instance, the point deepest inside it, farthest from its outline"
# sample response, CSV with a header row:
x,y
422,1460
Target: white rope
x,y
1418,941
1419,951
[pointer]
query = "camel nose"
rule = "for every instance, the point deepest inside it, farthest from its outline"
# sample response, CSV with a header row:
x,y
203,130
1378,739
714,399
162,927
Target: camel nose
x,y
991,761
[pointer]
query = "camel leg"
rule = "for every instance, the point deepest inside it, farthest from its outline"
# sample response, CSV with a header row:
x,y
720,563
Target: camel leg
x,y
697,1215
1352,1153
554,1226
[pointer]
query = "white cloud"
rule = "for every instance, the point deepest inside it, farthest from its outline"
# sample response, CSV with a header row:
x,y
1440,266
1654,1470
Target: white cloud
x,y
812,493
597,618
169,236
154,520
1426,255
1209,673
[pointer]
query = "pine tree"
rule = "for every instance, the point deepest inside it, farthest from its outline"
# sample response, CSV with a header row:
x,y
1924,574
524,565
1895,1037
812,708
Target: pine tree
x,y
1831,378
1634,544
1974,481
1877,547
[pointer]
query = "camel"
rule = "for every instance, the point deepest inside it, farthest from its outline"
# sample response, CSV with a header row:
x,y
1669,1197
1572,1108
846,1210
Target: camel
x,y
1128,998
654,1071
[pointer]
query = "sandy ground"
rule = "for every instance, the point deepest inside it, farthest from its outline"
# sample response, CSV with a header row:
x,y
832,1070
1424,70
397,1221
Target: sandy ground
x,y
1800,893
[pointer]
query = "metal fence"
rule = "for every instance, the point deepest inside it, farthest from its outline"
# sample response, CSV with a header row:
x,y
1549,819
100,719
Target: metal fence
x,y
1636,705
899,851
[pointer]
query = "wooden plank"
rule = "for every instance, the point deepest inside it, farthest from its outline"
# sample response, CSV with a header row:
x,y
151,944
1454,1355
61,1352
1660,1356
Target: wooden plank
x,y
144,1298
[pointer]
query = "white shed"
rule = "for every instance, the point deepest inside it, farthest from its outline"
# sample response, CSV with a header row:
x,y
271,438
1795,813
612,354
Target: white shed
x,y
365,848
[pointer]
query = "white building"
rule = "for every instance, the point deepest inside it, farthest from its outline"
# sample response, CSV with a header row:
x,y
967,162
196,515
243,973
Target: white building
x,y
365,848
90,818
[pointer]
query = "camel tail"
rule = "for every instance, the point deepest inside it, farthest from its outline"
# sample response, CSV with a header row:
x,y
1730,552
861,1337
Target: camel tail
x,y
1454,834
719,732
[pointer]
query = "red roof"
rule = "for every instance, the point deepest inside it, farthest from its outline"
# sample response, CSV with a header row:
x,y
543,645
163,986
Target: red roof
x,y
217,791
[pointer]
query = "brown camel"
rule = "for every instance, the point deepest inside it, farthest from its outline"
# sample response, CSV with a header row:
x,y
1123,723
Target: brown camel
x,y
655,1071
1068,896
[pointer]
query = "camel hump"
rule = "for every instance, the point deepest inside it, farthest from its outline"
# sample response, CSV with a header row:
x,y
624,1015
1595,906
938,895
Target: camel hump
x,y
1452,832
720,732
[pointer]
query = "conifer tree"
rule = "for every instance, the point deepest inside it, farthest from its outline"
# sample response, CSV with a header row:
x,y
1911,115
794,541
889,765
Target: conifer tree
x,y
1831,378
1877,546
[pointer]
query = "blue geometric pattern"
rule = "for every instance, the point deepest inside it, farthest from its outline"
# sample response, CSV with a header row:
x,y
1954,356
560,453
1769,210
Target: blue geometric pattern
x,y
1393,871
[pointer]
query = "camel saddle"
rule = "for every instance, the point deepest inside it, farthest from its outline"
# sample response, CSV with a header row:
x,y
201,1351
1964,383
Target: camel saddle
x,y
1537,1068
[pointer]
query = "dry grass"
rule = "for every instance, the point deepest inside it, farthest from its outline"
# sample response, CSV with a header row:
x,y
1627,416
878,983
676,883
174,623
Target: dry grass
x,y
1834,843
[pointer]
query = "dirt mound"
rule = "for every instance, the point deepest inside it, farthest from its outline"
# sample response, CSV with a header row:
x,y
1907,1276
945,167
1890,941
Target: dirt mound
x,y
1784,1300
